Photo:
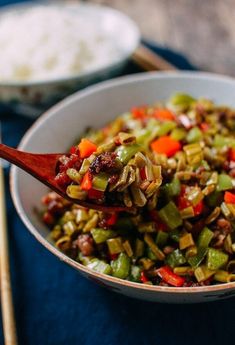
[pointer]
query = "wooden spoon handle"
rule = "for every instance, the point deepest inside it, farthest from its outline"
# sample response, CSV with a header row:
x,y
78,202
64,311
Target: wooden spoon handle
x,y
9,327
151,61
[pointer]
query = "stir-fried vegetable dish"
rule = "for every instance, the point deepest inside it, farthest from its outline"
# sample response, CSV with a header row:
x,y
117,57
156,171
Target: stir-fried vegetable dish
x,y
174,164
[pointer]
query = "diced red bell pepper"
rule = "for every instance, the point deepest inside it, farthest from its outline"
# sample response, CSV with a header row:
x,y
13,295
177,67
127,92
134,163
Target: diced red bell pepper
x,y
86,148
170,277
95,194
163,114
198,208
183,202
143,277
86,183
143,173
204,126
229,198
113,256
166,145
139,112
232,154
112,219
73,150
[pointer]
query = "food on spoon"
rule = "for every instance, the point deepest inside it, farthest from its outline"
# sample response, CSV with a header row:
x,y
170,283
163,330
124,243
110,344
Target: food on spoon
x,y
183,235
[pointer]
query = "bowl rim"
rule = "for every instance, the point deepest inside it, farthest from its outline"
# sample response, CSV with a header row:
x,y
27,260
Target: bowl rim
x,y
86,74
63,104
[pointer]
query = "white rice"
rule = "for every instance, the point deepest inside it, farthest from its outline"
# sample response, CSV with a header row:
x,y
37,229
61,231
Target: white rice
x,y
47,42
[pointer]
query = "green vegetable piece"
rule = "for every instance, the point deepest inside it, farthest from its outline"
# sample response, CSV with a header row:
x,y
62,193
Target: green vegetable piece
x,y
165,128
99,266
214,199
135,274
194,135
121,266
125,153
176,258
151,254
170,215
220,141
161,238
178,134
175,235
181,101
202,273
139,248
195,261
205,237
100,181
216,259
224,182
102,235
173,188
115,245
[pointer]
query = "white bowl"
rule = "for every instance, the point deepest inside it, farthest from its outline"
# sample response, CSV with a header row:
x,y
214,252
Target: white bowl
x,y
31,97
57,129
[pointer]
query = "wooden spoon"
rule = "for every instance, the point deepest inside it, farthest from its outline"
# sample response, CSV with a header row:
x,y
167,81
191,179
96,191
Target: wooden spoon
x,y
43,168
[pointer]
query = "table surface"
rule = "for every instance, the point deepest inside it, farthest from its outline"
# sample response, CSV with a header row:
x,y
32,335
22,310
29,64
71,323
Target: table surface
x,y
202,30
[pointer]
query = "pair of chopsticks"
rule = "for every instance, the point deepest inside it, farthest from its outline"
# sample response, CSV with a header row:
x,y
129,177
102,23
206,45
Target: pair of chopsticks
x,y
8,319
148,61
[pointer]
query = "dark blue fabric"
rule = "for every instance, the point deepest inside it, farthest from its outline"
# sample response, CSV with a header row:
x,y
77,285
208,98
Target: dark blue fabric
x,y
54,305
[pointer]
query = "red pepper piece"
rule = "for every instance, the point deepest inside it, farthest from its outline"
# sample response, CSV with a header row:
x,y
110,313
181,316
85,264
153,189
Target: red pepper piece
x,y
204,126
73,150
112,219
229,198
86,148
232,154
143,277
170,277
139,112
86,183
95,194
166,145
143,173
163,114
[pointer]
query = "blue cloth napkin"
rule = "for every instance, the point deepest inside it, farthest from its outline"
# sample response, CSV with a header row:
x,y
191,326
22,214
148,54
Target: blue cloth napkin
x,y
54,305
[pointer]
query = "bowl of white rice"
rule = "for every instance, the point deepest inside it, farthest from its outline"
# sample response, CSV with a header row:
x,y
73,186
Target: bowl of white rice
x,y
51,49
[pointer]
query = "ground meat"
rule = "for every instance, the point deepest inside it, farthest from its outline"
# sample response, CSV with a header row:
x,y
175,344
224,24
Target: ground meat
x,y
105,162
224,225
85,244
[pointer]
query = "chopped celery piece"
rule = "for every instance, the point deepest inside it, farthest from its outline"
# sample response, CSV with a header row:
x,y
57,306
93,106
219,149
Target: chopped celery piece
x,y
170,215
165,128
175,235
205,237
135,274
216,259
151,254
214,199
220,141
161,238
181,101
121,266
176,258
125,153
195,261
224,182
203,273
178,134
194,135
186,241
100,181
149,240
139,248
173,188
115,245
99,266
102,235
